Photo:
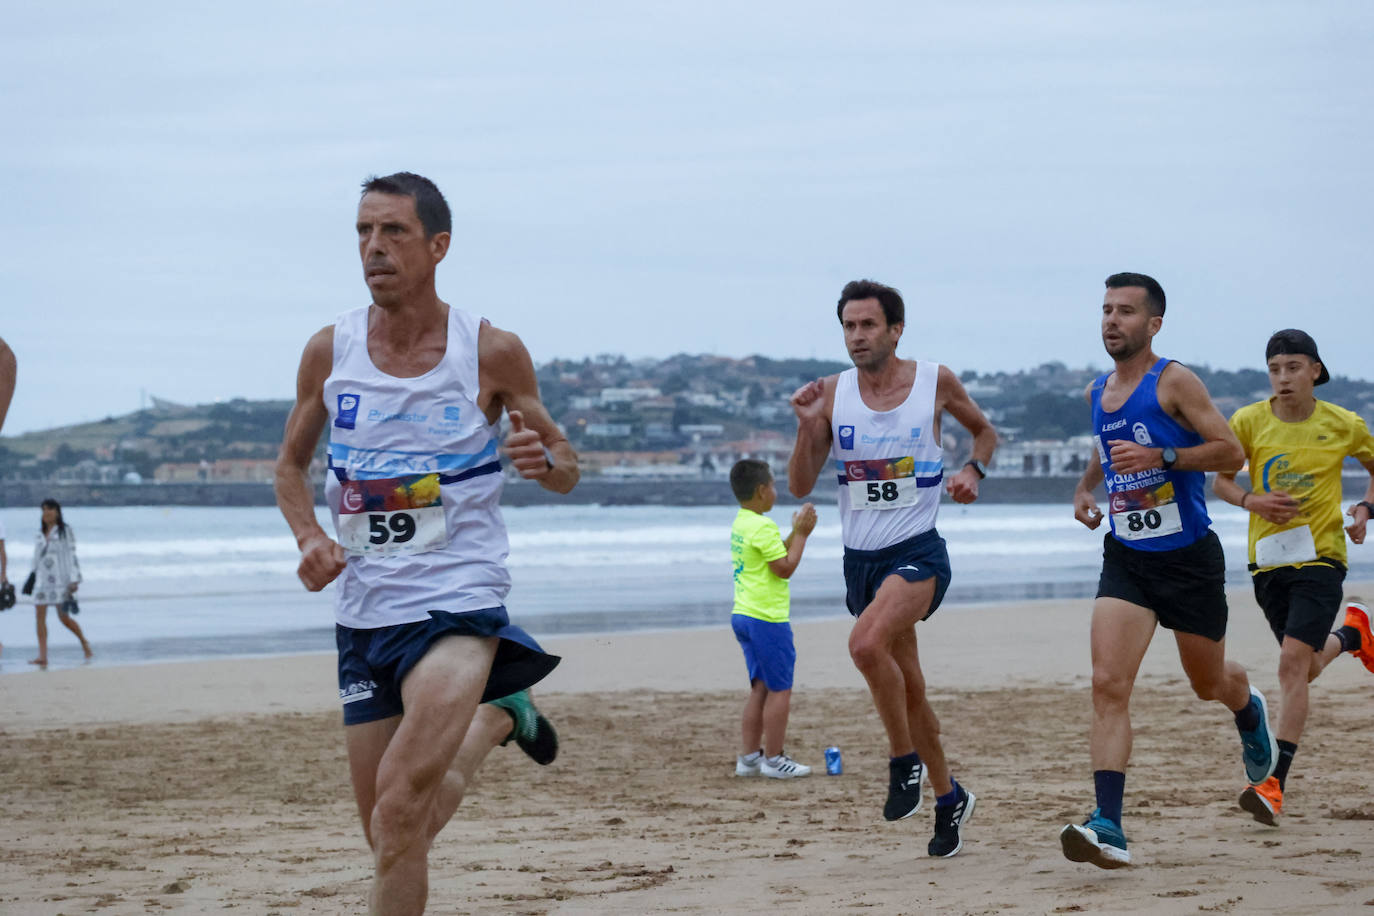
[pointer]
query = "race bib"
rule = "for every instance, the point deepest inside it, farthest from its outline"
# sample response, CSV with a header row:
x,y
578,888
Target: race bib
x,y
1149,512
392,517
882,483
1286,548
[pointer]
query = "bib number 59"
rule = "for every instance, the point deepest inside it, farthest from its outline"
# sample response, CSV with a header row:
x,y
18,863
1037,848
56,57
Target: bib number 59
x,y
398,529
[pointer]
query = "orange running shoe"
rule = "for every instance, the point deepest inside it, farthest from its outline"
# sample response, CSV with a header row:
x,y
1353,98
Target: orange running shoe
x,y
1357,616
1264,801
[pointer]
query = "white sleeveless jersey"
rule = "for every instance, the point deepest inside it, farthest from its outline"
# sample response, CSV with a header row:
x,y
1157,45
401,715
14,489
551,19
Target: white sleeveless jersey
x,y
414,483
889,463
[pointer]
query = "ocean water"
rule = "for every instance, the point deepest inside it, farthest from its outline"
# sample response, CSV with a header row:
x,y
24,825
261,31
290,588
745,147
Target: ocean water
x,y
176,583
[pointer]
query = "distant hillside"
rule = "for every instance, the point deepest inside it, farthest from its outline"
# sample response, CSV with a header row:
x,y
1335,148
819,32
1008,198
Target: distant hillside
x,y
687,411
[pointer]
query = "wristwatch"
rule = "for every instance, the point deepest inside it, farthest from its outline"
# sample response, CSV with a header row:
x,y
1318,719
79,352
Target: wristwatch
x,y
978,468
1368,506
1168,455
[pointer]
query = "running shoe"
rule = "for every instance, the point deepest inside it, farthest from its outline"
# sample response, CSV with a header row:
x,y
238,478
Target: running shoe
x,y
532,733
1098,841
947,840
1357,616
748,764
1259,750
903,789
1264,801
783,767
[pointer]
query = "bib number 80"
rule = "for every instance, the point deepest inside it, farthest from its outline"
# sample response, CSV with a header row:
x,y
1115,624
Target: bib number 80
x,y
1139,521
397,529
886,491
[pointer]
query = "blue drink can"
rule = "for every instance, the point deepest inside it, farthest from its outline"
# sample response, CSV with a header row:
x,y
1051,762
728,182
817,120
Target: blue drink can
x,y
834,763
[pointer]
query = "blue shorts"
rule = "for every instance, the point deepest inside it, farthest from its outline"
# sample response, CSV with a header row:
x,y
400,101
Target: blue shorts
x,y
373,663
915,560
768,650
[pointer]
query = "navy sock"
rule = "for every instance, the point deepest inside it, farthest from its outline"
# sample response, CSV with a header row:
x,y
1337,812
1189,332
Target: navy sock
x,y
906,760
1348,637
1247,717
949,797
1111,787
1286,751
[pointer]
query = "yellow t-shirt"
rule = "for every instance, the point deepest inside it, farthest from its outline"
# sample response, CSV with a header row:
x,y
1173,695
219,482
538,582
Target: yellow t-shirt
x,y
1304,460
755,541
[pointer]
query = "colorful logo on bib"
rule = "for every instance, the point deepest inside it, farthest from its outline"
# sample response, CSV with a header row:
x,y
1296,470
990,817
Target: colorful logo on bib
x,y
1142,435
847,437
347,417
880,468
418,491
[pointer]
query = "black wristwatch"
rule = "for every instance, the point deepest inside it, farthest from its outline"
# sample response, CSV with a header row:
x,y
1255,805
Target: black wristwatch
x,y
978,468
1368,506
1167,456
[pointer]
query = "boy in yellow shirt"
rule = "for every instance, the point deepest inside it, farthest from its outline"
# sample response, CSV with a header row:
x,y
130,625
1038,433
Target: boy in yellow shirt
x,y
1295,446
763,562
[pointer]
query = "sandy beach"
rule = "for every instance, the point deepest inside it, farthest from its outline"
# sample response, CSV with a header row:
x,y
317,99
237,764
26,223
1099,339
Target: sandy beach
x,y
222,786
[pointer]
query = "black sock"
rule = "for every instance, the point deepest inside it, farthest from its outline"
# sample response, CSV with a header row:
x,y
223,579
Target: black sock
x,y
1110,786
1247,717
906,760
1348,637
1286,751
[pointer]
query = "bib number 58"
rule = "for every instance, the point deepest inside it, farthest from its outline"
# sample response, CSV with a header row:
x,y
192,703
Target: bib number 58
x,y
886,491
397,529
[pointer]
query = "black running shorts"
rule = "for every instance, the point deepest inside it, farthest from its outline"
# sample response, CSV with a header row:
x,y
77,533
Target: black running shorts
x,y
1186,587
1301,601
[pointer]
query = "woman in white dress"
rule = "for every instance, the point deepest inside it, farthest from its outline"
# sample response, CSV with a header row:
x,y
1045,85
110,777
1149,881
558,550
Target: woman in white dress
x,y
56,577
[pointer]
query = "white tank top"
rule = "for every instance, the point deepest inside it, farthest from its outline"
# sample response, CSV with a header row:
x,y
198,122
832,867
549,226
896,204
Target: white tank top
x,y
889,463
414,483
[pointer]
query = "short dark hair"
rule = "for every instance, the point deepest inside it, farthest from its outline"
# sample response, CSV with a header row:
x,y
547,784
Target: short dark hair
x,y
430,205
747,476
1154,293
894,310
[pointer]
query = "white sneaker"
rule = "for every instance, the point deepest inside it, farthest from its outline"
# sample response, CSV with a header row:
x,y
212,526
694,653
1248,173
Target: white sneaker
x,y
747,767
783,767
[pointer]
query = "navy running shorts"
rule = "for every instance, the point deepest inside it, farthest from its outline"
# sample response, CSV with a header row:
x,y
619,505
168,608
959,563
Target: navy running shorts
x,y
1301,601
915,560
374,662
1185,587
768,651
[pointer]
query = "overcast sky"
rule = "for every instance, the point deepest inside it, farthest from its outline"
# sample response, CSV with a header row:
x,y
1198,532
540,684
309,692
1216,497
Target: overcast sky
x,y
179,181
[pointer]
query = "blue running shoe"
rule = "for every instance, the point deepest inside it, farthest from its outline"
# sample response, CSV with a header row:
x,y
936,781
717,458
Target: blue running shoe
x,y
1259,750
1098,841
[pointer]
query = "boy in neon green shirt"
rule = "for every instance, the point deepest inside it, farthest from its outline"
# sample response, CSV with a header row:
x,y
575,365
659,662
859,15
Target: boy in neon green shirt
x,y
1295,445
763,562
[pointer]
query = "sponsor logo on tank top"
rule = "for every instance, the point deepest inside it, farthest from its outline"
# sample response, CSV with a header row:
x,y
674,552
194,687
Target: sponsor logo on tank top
x,y
380,416
1108,427
347,417
1141,433
847,437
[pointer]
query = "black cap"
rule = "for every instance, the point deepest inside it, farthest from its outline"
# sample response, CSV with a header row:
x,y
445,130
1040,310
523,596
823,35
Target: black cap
x,y
1291,340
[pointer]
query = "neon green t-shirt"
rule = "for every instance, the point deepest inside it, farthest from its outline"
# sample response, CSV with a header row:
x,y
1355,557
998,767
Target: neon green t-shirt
x,y
1303,459
755,541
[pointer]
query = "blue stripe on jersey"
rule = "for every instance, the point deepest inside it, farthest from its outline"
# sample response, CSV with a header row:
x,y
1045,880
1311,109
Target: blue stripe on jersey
x,y
920,481
377,464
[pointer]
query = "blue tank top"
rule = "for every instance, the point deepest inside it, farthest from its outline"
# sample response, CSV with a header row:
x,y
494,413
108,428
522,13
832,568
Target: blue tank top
x,y
1155,509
